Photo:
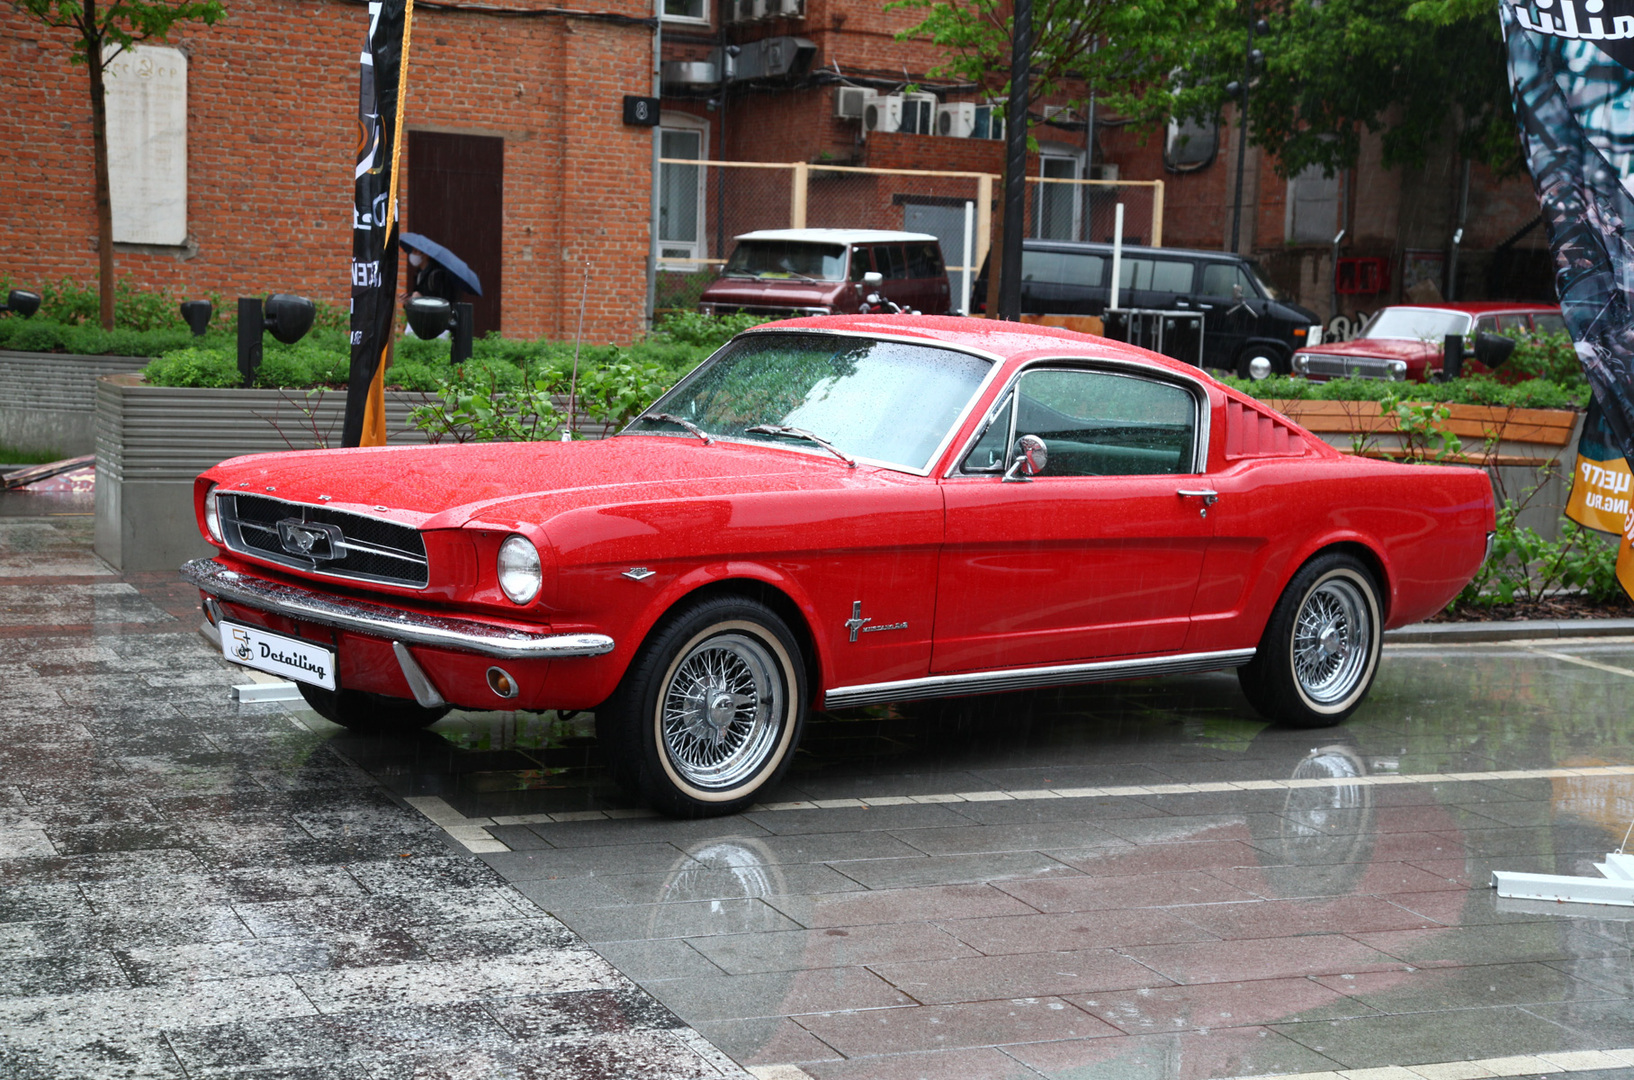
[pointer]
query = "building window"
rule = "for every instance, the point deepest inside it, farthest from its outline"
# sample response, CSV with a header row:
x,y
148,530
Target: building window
x,y
681,187
1313,207
1056,206
147,145
688,10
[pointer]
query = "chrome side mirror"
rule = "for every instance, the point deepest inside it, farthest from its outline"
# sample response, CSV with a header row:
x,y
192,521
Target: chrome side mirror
x,y
873,278
1237,292
1030,457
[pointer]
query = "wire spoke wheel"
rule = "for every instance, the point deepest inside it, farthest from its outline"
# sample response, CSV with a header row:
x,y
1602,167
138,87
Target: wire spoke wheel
x,y
1331,635
721,711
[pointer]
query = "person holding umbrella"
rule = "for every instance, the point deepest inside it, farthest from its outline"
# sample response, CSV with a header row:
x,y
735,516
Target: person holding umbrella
x,y
437,271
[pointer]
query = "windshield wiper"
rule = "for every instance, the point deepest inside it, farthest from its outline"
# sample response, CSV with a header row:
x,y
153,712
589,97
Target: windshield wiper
x,y
669,418
800,433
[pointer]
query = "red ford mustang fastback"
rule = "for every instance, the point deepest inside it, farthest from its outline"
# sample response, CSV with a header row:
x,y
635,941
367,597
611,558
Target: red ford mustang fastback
x,y
833,512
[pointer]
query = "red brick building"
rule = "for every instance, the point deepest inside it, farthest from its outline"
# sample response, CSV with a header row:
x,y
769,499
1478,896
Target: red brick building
x,y
517,157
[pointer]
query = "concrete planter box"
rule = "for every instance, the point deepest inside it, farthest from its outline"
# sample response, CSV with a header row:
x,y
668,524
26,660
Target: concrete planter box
x,y
1523,448
152,441
48,400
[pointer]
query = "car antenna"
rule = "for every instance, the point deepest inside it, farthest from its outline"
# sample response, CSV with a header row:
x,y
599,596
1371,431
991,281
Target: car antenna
x,y
573,386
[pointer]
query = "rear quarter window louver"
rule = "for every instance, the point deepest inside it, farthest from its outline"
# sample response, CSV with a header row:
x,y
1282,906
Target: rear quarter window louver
x,y
1251,433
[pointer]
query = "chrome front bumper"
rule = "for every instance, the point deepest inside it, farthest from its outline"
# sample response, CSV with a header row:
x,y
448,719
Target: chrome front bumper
x,y
393,624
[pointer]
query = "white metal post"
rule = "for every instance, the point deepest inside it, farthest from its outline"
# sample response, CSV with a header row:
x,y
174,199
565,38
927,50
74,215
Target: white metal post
x,y
1117,255
969,255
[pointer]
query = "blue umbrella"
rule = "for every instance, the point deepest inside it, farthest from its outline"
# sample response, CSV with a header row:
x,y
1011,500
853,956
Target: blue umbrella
x,y
452,262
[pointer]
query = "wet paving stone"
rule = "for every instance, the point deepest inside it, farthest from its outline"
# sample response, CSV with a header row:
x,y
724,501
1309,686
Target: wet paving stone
x,y
199,888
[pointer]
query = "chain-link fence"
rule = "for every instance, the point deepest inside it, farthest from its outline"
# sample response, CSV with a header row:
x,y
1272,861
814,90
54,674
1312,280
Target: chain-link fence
x,y
706,204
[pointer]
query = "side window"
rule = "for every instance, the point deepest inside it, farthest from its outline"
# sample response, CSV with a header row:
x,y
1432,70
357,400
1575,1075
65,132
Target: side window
x,y
988,455
1098,423
1219,277
890,261
924,260
1063,268
1516,321
1160,275
1549,324
859,263
1486,324
1171,275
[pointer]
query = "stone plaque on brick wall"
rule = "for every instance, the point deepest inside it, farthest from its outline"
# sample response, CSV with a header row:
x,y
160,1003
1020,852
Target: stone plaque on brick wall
x,y
147,145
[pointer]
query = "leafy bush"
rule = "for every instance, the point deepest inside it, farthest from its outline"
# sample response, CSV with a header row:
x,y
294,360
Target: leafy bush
x,y
193,367
696,328
75,304
46,335
1545,356
1526,567
1475,390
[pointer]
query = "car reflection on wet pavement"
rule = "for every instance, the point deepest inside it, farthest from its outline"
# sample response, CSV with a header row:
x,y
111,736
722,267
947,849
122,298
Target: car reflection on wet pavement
x,y
1131,881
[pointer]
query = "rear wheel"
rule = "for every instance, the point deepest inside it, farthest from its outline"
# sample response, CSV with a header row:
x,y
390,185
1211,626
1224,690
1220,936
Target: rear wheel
x,y
710,711
1320,650
376,713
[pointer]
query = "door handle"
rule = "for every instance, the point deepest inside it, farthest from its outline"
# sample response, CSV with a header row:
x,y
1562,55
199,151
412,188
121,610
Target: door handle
x,y
1209,497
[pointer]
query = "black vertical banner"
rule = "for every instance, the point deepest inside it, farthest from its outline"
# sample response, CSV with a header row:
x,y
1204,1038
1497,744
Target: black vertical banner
x,y
374,237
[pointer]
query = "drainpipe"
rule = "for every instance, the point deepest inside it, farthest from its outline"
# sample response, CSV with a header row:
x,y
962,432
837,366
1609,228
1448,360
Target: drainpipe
x,y
657,149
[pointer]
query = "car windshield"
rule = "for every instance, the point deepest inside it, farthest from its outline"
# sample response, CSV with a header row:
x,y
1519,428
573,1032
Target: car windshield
x,y
1416,324
787,259
881,401
1264,282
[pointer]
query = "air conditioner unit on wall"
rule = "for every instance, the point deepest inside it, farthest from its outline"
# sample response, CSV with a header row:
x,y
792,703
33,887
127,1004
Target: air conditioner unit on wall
x,y
791,9
762,9
989,123
882,112
849,100
918,114
957,120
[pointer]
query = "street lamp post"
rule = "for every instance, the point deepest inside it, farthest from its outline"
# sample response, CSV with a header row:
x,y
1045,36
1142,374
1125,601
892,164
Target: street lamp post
x,y
1015,163
1251,58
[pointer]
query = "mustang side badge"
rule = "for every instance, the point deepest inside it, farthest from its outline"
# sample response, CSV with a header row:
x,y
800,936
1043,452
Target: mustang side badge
x,y
858,622
638,573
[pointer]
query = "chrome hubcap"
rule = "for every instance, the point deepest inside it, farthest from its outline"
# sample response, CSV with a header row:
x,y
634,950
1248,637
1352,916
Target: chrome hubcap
x,y
722,711
1332,635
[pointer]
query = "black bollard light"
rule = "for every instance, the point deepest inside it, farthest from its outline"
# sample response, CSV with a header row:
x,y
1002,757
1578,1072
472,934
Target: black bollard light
x,y
429,316
1493,349
1452,356
21,302
196,313
286,316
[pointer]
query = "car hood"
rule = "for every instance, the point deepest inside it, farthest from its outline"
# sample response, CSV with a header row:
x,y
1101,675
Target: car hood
x,y
783,292
1384,348
434,487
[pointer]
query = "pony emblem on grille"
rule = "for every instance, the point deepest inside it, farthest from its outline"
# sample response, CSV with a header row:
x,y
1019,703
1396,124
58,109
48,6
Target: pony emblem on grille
x,y
311,540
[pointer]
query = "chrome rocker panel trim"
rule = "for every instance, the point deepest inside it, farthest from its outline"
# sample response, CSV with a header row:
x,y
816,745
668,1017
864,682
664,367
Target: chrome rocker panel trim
x,y
393,624
992,682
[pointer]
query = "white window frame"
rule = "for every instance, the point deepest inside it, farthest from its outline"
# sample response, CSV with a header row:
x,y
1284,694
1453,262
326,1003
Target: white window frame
x,y
694,20
699,246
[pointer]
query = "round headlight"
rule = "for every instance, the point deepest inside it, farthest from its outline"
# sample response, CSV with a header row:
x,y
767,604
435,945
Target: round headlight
x,y
1398,369
519,573
212,516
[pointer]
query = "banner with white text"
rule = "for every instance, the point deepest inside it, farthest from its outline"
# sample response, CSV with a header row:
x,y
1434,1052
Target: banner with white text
x,y
1571,70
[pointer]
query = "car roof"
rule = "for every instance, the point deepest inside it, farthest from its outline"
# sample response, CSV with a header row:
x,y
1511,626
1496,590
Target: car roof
x,y
834,236
1478,307
996,337
1100,247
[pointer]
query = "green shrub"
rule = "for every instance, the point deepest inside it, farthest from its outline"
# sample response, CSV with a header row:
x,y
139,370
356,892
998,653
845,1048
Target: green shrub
x,y
193,367
696,328
1545,356
1475,390
1525,567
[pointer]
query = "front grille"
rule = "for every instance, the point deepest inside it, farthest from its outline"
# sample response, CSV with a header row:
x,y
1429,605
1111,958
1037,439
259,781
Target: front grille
x,y
1338,367
367,549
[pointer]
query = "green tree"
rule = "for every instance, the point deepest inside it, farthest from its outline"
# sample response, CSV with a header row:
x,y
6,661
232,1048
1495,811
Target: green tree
x,y
1121,50
96,34
1413,72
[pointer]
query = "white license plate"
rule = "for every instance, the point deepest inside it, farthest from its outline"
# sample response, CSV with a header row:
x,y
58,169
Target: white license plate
x,y
278,655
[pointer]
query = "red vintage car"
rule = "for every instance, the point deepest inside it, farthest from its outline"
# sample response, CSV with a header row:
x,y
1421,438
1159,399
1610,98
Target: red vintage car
x,y
1405,342
835,512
